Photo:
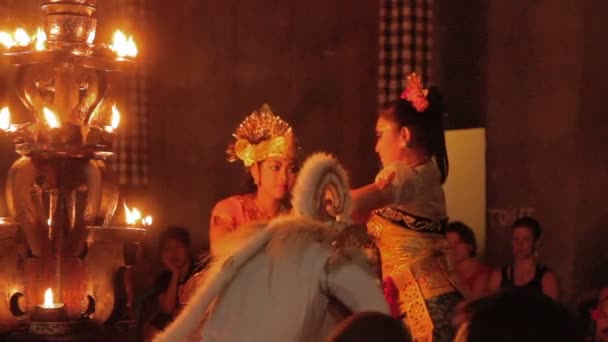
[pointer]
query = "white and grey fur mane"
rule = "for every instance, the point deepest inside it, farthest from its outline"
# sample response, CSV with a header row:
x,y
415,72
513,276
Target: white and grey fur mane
x,y
283,233
317,171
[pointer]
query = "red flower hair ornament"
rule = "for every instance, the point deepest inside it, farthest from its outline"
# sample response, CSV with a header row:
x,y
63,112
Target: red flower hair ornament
x,y
415,93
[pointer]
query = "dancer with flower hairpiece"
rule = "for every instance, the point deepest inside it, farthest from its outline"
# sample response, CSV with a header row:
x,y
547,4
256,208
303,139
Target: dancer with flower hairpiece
x,y
408,209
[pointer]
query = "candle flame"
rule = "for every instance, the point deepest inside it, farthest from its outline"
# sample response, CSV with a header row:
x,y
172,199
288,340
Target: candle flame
x,y
50,118
7,40
40,40
115,117
115,120
147,221
22,38
123,46
5,119
48,298
132,215
91,37
55,30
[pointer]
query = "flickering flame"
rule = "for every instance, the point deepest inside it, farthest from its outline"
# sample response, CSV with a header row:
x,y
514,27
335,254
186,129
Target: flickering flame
x,y
91,37
147,221
5,119
115,120
48,298
115,117
132,215
123,46
20,37
50,118
40,40
7,40
55,30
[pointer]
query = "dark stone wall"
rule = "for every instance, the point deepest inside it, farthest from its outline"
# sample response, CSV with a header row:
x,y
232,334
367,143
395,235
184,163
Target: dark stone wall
x,y
314,62
532,73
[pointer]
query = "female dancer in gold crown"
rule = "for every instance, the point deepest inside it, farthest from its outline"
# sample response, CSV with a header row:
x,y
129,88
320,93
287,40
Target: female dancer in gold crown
x,y
266,146
409,220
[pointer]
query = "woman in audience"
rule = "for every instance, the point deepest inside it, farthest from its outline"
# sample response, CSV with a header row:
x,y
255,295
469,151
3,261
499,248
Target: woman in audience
x,y
472,275
526,273
163,305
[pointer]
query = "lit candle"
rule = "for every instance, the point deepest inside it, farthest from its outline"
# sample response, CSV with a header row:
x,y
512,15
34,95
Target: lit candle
x,y
17,42
40,40
147,221
49,303
53,132
49,311
123,45
5,122
50,118
115,120
5,119
134,217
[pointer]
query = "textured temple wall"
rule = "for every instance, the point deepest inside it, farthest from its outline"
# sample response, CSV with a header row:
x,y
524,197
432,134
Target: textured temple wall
x,y
541,67
314,61
533,105
590,227
459,60
532,73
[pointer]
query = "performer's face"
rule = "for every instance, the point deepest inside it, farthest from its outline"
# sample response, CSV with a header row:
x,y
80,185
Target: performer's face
x,y
275,176
390,144
523,243
459,250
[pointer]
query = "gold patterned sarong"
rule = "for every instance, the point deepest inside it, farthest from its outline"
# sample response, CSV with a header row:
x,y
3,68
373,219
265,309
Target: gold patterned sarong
x,y
412,253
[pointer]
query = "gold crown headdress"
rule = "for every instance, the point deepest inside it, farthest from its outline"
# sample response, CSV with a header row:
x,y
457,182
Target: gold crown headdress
x,y
261,135
415,93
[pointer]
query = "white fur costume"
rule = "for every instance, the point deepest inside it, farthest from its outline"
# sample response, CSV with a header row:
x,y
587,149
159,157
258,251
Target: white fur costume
x,y
277,285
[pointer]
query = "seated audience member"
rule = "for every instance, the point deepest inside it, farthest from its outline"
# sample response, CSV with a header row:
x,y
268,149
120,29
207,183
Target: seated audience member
x,y
513,315
162,305
472,274
526,273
